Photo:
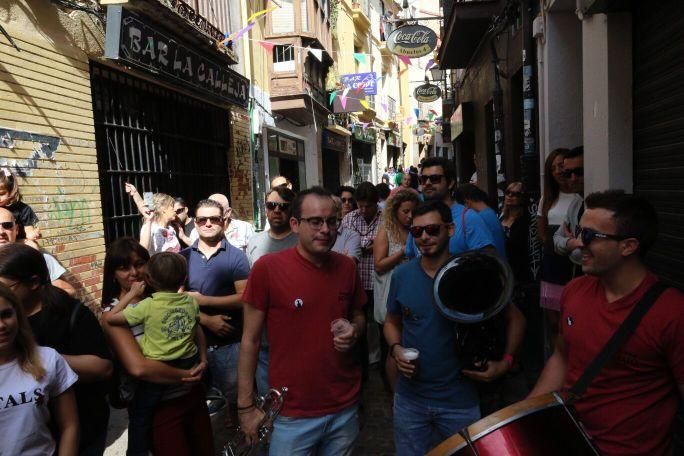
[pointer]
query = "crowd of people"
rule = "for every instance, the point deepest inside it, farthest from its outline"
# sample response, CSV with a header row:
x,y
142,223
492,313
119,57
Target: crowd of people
x,y
201,313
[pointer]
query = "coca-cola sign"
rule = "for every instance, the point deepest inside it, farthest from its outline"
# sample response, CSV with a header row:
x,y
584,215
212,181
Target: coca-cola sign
x,y
412,41
427,93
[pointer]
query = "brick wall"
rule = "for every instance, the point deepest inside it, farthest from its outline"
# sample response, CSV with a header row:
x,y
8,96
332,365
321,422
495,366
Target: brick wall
x,y
240,165
45,100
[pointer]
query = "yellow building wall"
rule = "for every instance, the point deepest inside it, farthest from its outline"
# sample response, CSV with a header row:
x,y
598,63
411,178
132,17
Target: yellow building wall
x,y
45,89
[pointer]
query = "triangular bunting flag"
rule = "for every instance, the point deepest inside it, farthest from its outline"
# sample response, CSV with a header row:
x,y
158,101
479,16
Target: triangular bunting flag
x,y
343,101
384,106
261,13
417,112
360,57
430,64
346,91
333,94
318,53
408,121
266,45
406,59
364,103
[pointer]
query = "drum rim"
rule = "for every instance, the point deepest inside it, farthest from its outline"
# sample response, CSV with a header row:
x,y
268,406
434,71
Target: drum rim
x,y
473,438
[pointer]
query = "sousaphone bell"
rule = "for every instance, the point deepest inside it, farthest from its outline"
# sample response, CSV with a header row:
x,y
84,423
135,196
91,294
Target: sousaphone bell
x,y
471,290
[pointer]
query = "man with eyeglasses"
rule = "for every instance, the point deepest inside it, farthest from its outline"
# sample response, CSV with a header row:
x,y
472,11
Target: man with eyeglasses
x,y
279,236
630,406
565,240
8,235
297,294
217,275
470,233
432,400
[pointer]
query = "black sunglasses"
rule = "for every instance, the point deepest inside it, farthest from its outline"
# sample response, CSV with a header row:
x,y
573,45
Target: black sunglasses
x,y
215,220
7,225
588,235
433,178
180,210
271,206
431,230
568,172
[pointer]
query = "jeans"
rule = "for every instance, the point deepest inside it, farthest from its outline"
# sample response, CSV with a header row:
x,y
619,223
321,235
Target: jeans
x,y
419,427
223,363
262,372
329,435
141,410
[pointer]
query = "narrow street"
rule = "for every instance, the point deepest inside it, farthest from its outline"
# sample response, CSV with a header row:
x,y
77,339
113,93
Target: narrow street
x,y
376,436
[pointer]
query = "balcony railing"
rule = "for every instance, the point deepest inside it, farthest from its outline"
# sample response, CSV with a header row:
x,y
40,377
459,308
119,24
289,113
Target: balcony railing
x,y
316,91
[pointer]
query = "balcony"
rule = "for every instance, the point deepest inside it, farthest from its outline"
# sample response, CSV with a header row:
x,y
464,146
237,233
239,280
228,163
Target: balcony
x,y
361,14
467,23
189,23
304,20
297,83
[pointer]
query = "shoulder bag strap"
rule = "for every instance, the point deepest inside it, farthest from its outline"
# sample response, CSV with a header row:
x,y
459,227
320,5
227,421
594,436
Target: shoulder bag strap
x,y
619,337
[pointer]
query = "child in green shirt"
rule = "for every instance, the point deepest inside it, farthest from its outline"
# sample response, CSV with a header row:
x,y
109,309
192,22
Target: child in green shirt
x,y
172,335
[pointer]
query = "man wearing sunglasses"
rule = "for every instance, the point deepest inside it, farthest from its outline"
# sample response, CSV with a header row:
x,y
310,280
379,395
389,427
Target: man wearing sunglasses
x,y
470,233
238,232
630,406
565,240
432,400
296,294
217,275
8,235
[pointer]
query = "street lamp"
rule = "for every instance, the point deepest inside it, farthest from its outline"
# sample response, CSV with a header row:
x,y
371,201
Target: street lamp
x,y
437,74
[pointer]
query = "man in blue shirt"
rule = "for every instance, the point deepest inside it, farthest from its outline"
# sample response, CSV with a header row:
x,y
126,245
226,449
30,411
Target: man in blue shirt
x,y
433,399
217,276
472,197
470,232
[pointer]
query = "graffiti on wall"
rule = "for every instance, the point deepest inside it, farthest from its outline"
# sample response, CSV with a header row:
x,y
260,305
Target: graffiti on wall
x,y
44,148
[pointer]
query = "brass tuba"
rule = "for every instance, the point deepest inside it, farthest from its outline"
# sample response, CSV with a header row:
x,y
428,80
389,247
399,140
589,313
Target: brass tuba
x,y
472,289
270,404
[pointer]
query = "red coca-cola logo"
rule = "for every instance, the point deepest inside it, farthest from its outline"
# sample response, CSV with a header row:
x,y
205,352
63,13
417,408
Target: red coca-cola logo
x,y
412,41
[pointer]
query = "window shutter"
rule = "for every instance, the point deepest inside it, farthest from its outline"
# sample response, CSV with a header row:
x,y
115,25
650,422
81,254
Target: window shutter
x,y
283,19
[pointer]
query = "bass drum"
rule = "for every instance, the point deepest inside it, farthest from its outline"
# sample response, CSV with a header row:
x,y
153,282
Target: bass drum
x,y
539,426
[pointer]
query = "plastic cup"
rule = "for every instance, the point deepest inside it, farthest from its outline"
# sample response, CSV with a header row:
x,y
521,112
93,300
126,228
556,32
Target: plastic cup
x,y
411,354
340,326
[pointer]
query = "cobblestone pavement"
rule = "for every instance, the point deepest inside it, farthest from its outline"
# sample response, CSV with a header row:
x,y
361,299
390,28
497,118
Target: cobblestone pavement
x,y
376,436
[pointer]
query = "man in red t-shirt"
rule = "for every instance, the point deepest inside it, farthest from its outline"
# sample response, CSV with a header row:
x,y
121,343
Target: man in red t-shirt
x,y
297,293
630,406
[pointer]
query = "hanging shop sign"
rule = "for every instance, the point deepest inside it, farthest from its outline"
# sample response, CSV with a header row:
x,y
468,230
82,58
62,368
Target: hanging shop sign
x,y
334,141
427,93
393,139
365,80
133,41
412,41
368,135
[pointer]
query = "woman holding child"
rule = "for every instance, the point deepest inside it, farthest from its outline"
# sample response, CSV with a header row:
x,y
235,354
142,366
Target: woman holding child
x,y
181,423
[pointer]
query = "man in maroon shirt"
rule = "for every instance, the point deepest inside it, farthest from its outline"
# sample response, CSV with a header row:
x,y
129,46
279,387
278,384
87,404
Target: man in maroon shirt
x,y
297,293
630,406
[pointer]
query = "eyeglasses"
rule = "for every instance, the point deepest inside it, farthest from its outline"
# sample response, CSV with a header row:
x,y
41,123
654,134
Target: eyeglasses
x,y
317,222
568,172
7,225
588,235
513,194
272,205
431,230
433,178
180,210
215,220
347,200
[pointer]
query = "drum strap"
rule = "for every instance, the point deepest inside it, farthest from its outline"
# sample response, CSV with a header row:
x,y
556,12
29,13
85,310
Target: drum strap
x,y
619,337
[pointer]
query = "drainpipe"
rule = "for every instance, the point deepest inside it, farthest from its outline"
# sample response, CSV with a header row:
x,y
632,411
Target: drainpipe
x,y
529,159
498,115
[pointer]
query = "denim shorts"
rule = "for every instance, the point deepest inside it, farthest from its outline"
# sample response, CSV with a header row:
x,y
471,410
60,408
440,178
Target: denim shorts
x,y
328,435
419,427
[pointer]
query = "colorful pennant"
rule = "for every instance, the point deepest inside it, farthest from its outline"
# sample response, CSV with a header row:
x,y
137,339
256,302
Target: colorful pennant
x,y
318,53
406,59
360,57
333,94
365,105
266,45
